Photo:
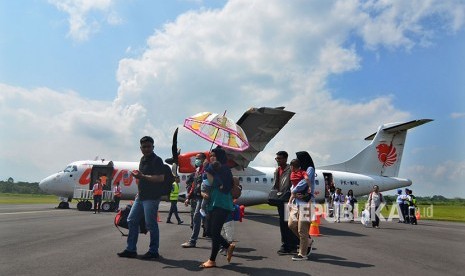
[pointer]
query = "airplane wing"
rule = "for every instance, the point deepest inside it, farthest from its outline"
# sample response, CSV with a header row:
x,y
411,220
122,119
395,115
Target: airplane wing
x,y
260,125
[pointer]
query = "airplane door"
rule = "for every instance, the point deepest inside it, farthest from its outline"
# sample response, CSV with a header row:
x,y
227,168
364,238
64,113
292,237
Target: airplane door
x,y
103,172
329,185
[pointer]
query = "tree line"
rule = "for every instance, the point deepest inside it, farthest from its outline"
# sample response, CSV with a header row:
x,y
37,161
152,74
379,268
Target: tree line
x,y
33,188
20,188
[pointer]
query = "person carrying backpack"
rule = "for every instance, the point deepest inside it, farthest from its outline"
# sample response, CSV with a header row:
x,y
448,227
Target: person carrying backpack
x,y
150,177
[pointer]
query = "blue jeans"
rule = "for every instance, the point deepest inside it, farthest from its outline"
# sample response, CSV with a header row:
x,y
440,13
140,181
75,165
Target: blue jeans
x,y
197,222
149,210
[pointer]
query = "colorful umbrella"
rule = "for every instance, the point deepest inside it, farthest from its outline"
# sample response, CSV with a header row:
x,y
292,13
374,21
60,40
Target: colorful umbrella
x,y
218,129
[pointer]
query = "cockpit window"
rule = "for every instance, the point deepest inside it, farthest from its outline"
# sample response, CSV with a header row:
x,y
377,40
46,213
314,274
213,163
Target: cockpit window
x,y
70,168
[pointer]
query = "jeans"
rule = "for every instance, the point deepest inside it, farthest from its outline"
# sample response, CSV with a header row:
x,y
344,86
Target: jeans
x,y
197,222
148,209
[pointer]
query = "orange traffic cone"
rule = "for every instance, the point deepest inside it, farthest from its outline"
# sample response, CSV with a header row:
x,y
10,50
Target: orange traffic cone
x,y
314,229
417,215
158,216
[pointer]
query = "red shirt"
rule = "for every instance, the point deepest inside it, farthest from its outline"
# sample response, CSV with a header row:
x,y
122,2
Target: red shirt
x,y
296,176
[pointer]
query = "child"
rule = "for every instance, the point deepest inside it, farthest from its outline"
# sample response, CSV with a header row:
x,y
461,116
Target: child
x,y
206,187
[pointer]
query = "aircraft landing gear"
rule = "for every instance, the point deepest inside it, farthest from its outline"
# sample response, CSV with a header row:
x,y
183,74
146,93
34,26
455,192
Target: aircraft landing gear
x,y
63,205
108,206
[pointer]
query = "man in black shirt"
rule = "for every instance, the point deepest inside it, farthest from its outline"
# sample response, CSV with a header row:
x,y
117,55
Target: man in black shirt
x,y
149,177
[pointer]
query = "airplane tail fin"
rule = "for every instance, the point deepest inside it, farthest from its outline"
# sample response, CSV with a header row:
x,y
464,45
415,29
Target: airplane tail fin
x,y
384,154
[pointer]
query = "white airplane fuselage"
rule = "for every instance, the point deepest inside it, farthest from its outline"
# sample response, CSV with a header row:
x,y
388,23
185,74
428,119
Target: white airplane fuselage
x,y
377,164
256,181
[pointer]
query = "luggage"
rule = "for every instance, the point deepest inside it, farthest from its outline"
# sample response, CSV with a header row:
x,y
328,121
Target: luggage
x,y
121,220
365,218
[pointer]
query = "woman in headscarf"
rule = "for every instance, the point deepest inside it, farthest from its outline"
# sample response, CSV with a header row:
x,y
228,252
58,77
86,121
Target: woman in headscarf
x,y
220,203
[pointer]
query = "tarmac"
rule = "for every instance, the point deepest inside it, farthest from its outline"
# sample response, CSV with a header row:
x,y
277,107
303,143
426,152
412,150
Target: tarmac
x,y
43,240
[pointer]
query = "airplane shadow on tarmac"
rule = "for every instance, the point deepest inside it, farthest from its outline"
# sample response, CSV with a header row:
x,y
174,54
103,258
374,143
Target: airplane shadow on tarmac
x,y
335,260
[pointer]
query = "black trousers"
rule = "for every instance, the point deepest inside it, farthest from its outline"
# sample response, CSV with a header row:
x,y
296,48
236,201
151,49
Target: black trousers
x,y
218,217
288,239
174,210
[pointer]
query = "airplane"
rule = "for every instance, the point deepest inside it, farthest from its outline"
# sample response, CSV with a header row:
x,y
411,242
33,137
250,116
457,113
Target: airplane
x,y
377,164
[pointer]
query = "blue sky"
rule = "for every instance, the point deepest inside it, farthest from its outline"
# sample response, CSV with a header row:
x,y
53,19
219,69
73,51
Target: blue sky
x,y
80,79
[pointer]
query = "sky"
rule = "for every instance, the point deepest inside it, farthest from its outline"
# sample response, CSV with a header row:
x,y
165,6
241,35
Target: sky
x,y
81,79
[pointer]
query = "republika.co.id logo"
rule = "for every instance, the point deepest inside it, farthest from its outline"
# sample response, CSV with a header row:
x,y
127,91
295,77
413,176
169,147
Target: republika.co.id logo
x,y
387,154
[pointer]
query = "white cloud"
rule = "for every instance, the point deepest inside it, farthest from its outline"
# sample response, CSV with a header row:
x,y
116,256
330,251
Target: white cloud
x,y
457,115
260,53
86,16
441,179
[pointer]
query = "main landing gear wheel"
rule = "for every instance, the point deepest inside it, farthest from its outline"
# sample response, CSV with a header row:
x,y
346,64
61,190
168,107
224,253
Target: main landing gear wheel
x,y
88,205
106,206
81,206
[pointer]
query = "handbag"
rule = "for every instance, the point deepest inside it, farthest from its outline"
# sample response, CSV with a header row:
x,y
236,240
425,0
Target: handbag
x,y
276,198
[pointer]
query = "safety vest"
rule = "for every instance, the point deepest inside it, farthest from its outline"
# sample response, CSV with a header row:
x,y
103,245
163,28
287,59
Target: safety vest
x,y
174,192
98,189
117,191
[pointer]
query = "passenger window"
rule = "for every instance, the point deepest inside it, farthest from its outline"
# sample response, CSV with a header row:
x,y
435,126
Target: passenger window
x,y
272,180
249,179
317,182
183,177
265,180
240,179
256,179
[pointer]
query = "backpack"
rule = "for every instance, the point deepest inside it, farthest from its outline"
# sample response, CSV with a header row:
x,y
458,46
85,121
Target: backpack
x,y
236,189
121,220
167,184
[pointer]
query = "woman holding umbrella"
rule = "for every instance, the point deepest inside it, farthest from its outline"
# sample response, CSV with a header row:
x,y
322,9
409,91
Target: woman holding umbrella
x,y
221,204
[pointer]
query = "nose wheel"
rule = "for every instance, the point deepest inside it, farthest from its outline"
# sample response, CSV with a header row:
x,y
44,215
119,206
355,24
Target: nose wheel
x,y
63,205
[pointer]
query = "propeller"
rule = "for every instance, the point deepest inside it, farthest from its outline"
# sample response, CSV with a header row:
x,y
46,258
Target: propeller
x,y
175,154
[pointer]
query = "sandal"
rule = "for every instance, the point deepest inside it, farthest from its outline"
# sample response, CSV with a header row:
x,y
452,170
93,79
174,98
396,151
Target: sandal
x,y
208,264
230,252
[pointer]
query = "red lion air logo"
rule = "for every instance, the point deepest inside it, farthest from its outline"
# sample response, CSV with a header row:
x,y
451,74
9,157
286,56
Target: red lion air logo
x,y
387,154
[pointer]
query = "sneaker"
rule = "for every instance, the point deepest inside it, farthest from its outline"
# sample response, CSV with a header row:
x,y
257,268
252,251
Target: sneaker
x,y
149,255
127,254
310,248
299,258
187,245
168,221
180,222
203,213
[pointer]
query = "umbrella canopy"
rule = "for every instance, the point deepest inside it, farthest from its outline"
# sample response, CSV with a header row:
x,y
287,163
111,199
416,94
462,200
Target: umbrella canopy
x,y
218,129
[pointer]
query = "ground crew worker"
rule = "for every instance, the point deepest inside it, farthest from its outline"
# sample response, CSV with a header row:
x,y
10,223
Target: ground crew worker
x,y
98,192
174,201
117,195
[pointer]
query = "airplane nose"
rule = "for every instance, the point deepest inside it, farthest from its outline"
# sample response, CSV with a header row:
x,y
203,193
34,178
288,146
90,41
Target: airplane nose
x,y
43,185
46,183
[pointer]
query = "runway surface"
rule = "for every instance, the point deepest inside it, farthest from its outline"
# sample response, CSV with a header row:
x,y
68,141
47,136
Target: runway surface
x,y
42,240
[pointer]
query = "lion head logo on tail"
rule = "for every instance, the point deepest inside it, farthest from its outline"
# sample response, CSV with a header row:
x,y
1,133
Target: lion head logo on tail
x,y
386,154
